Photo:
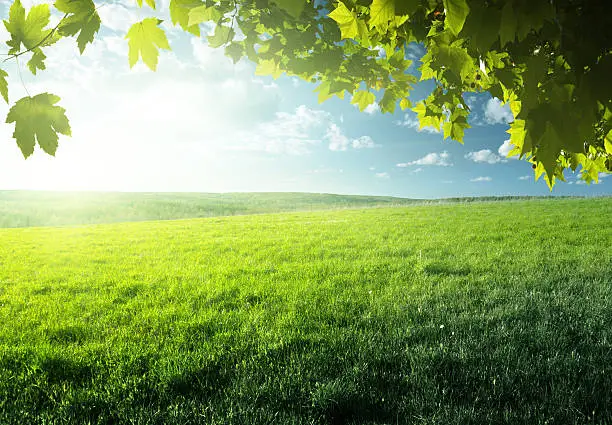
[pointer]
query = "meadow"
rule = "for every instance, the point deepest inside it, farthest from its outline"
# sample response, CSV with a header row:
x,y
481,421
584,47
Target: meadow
x,y
39,208
476,313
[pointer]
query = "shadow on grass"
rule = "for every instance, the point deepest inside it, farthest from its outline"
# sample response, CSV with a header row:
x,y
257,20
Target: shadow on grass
x,y
519,362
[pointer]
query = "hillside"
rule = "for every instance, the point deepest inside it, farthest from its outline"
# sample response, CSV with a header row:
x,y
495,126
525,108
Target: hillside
x,y
479,313
33,209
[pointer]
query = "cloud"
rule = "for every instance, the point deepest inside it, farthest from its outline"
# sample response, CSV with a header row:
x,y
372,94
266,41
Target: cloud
x,y
439,159
382,175
525,177
505,149
337,140
364,142
410,120
416,170
481,179
371,109
290,133
496,113
483,156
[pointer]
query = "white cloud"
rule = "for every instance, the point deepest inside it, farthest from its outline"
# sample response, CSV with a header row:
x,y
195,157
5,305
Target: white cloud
x,y
496,113
411,121
416,170
382,175
481,179
603,175
117,17
290,133
525,177
371,109
484,155
364,142
439,159
505,149
337,140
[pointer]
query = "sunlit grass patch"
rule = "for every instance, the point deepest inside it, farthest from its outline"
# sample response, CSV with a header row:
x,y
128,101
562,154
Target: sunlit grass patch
x,y
482,313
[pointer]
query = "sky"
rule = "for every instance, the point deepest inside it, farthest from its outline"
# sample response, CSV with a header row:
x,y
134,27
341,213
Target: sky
x,y
202,124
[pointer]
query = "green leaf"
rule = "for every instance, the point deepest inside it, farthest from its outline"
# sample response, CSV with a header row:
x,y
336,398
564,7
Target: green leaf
x,y
381,12
456,59
292,7
363,99
179,14
151,3
82,19
347,21
607,141
38,120
405,103
456,13
507,31
36,62
4,85
29,31
144,40
548,151
388,101
455,129
235,51
482,28
203,13
268,67
223,35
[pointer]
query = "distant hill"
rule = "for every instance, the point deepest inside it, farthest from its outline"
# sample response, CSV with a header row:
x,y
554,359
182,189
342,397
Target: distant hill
x,y
39,208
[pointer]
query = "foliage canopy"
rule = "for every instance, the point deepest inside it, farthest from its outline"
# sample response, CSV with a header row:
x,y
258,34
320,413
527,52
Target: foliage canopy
x,y
550,61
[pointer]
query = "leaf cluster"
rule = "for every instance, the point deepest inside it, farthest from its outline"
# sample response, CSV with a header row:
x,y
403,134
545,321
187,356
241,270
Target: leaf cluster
x,y
549,61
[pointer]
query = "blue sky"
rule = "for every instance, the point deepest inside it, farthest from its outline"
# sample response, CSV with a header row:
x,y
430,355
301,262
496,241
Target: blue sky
x,y
202,124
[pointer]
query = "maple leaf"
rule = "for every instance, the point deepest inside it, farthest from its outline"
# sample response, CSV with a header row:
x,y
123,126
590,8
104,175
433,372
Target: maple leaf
x,y
293,7
203,13
179,13
381,12
37,61
456,13
363,99
27,30
347,21
82,18
151,3
38,120
222,35
145,39
4,84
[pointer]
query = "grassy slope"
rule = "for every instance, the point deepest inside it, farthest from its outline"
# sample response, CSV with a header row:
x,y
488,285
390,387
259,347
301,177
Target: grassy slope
x,y
25,209
31,209
479,313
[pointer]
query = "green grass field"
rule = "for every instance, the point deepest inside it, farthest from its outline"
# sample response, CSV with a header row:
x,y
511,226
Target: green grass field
x,y
34,209
441,314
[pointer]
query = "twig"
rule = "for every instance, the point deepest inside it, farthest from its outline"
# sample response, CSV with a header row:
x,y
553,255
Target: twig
x,y
21,77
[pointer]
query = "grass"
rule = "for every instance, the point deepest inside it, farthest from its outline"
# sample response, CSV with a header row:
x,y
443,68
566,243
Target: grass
x,y
35,209
441,314
32,208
